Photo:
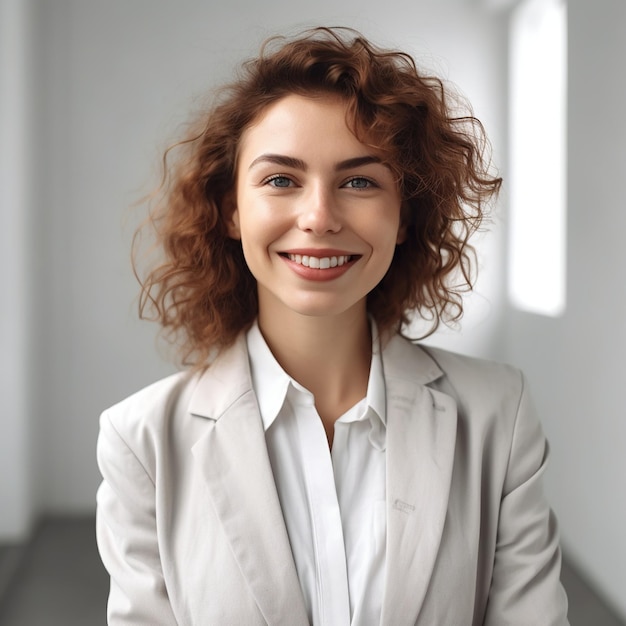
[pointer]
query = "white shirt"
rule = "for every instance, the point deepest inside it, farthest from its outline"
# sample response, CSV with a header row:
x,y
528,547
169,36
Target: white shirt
x,y
333,503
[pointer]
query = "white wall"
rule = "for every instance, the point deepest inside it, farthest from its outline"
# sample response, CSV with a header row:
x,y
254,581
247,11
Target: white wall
x,y
16,96
113,80
576,362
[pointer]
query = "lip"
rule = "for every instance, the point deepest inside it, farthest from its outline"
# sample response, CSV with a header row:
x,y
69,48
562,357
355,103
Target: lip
x,y
319,252
314,274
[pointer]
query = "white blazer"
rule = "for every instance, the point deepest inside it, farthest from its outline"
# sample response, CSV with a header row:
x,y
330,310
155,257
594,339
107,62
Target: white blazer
x,y
190,528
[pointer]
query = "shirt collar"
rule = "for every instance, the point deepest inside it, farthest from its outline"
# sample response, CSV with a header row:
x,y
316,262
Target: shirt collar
x,y
271,384
269,380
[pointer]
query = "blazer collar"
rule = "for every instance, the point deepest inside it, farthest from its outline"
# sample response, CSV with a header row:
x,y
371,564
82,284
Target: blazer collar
x,y
421,436
232,457
230,374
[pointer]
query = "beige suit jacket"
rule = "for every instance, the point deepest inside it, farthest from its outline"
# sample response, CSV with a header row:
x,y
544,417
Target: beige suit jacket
x,y
190,528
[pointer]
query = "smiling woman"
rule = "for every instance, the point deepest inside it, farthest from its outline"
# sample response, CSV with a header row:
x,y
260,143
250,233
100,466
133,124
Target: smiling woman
x,y
313,465
204,294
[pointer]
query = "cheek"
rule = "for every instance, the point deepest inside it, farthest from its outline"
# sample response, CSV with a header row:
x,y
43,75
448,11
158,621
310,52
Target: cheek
x,y
258,235
385,231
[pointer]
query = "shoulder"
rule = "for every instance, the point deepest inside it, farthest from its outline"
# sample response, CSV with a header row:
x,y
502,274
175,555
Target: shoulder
x,y
154,400
164,415
436,367
487,393
494,405
472,377
146,422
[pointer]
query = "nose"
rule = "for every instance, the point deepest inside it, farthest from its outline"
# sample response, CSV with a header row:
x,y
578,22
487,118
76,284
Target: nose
x,y
319,213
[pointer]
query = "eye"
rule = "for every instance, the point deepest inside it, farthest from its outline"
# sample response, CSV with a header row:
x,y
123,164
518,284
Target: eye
x,y
359,182
278,181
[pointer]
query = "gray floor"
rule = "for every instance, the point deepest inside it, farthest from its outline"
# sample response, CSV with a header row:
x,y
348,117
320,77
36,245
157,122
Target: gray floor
x,y
58,581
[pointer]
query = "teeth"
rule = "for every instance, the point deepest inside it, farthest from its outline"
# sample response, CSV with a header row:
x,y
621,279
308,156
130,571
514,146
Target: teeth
x,y
322,263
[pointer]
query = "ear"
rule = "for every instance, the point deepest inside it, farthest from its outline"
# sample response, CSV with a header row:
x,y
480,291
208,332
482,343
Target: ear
x,y
404,224
401,238
232,217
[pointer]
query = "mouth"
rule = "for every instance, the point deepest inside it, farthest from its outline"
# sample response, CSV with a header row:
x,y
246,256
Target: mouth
x,y
320,263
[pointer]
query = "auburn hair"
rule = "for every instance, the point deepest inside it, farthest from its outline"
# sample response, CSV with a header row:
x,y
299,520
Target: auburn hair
x,y
200,289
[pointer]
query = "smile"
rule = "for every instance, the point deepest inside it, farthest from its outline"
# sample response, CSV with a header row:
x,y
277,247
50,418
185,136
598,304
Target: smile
x,y
319,263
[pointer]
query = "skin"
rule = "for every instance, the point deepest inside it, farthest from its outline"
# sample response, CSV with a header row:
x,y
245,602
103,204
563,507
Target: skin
x,y
307,186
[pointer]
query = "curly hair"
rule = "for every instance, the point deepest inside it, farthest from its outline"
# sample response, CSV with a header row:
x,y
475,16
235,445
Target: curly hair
x,y
201,290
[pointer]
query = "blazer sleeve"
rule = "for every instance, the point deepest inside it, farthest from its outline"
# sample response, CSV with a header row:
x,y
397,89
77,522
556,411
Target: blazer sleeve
x,y
526,586
127,534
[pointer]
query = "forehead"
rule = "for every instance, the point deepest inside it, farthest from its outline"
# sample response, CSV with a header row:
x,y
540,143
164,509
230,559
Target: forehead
x,y
300,124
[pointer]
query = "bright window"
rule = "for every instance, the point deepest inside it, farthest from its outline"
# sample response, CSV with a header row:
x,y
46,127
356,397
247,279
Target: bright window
x,y
538,92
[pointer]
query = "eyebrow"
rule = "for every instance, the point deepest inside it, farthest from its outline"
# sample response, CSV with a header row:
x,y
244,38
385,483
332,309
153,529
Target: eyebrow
x,y
287,161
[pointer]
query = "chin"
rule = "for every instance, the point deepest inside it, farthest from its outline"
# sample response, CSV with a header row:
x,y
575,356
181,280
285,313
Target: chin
x,y
325,307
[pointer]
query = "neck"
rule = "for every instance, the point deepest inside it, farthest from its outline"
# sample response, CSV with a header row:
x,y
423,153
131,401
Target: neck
x,y
329,356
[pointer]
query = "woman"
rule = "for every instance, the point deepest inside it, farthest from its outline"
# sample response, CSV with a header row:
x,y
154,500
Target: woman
x,y
312,465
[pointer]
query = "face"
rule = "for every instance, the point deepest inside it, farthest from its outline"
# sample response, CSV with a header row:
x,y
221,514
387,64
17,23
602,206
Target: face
x,y
317,212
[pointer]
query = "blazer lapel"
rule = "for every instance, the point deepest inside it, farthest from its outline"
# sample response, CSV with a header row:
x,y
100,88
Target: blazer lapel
x,y
421,434
233,459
